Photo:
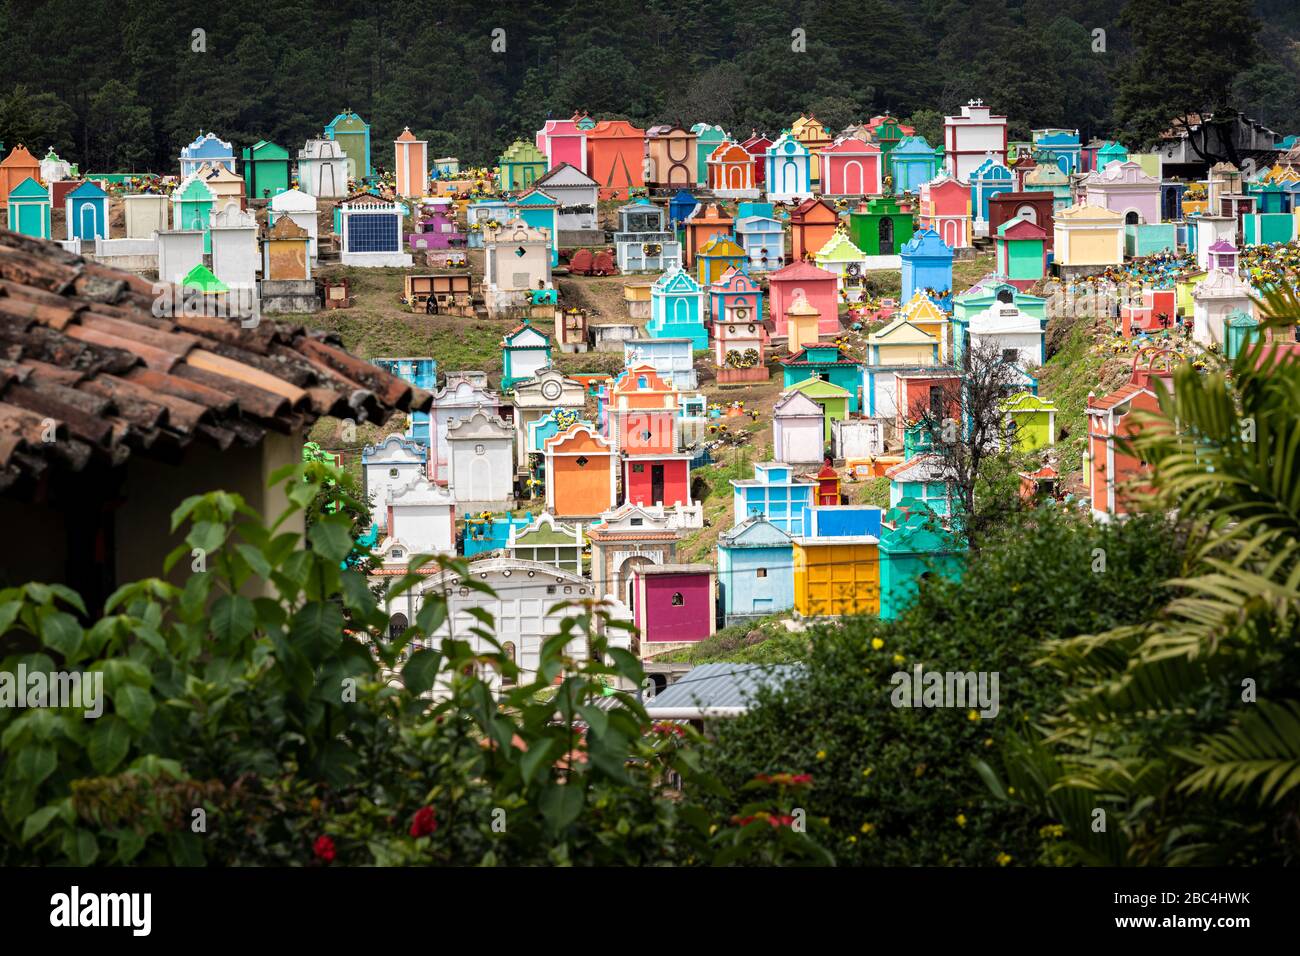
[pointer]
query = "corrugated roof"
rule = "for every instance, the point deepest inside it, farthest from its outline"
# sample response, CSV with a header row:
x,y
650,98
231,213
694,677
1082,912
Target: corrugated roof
x,y
712,686
81,348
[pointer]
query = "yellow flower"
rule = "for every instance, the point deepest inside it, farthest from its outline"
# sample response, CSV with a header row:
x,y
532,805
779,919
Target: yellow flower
x,y
1003,859
973,715
988,741
1011,791
853,839
868,827
899,659
961,819
821,755
867,772
713,828
877,643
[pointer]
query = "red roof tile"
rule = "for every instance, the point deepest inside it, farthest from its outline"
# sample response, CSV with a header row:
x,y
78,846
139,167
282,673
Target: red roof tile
x,y
801,271
83,357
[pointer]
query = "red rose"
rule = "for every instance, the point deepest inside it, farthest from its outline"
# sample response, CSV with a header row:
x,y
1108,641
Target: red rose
x,y
424,822
324,849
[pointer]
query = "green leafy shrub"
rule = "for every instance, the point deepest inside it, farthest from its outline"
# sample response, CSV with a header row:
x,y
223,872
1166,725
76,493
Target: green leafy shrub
x,y
1177,740
260,714
895,784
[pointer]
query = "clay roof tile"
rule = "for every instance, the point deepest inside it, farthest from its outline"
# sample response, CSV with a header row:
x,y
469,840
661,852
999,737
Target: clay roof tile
x,y
84,358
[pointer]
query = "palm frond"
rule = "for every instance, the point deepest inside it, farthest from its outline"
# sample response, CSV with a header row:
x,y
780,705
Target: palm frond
x,y
1259,754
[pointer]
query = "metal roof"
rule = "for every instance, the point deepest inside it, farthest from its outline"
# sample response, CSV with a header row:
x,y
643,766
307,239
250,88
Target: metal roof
x,y
717,690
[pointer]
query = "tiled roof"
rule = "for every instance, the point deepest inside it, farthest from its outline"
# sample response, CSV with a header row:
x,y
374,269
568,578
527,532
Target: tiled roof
x,y
801,358
1117,397
647,534
801,271
927,467
82,352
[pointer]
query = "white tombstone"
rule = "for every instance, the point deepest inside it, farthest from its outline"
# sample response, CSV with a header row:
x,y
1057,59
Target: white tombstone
x,y
235,260
179,251
517,257
1218,294
482,463
391,465
301,208
421,514
458,400
146,214
1010,331
1209,230
523,597
858,438
323,169
798,429
54,169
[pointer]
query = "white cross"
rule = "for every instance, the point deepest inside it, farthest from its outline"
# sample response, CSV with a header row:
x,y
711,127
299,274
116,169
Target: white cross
x,y
975,103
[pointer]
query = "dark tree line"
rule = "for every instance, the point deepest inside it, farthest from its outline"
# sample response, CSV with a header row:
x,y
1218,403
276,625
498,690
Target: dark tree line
x,y
123,85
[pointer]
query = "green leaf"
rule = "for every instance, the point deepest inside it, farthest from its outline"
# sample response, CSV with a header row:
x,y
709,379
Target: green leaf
x,y
433,612
8,614
561,804
81,847
18,801
536,759
316,629
233,618
331,538
295,569
69,596
135,705
256,560
185,509
421,671
34,764
626,664
990,778
109,742
481,614
185,848
37,821
596,718
60,632
356,593
39,593
150,637
207,536
129,845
